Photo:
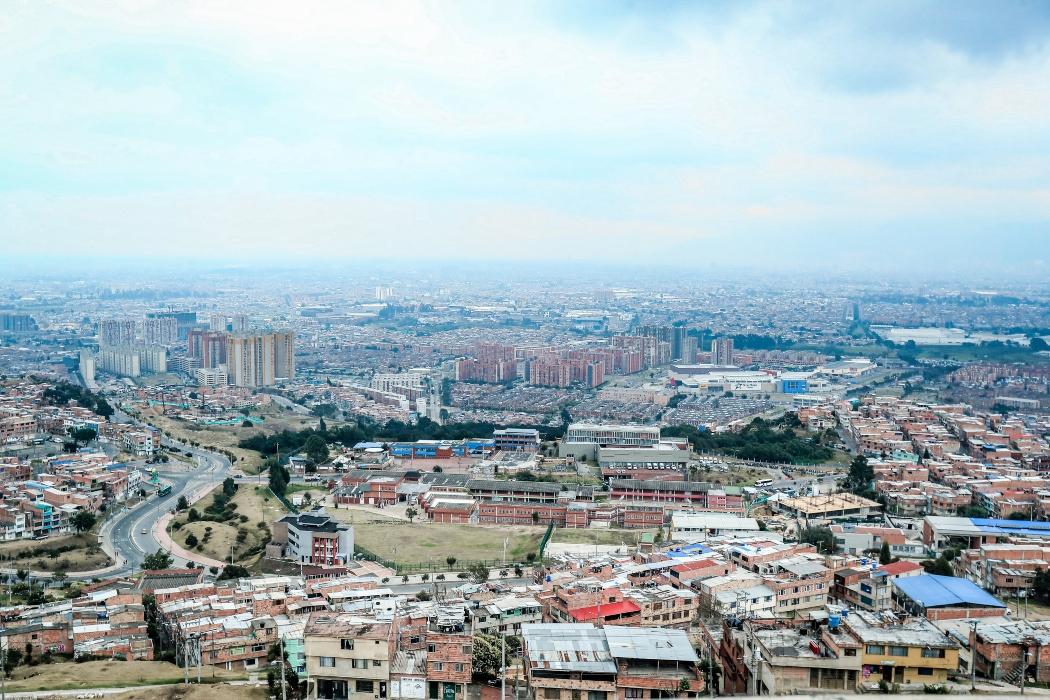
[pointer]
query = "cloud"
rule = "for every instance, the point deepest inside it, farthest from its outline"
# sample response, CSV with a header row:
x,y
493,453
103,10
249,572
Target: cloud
x,y
617,131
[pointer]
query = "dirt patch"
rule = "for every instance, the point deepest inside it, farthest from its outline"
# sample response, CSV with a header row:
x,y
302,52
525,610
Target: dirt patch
x,y
405,542
99,674
69,553
207,691
597,536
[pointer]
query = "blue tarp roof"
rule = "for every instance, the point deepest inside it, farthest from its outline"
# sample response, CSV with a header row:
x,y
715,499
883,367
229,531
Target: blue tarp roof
x,y
998,526
688,550
931,591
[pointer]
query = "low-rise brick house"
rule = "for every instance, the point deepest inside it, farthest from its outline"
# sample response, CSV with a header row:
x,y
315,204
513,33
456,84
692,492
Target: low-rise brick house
x,y
1003,649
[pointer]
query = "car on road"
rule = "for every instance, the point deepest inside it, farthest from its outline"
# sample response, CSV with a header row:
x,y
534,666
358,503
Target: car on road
x,y
143,531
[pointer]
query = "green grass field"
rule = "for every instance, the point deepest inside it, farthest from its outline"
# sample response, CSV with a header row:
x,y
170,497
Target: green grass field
x,y
411,543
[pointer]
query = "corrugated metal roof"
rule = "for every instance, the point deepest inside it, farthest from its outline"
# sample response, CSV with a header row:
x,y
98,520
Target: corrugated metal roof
x,y
931,591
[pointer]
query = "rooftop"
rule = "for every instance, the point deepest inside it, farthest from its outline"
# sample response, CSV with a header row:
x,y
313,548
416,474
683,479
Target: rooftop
x,y
929,591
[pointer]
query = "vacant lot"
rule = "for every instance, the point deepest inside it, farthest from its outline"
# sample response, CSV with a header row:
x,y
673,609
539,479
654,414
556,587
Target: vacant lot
x,y
70,553
206,691
597,536
254,505
100,674
424,542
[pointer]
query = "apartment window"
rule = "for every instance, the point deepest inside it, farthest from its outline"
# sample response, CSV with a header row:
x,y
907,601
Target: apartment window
x,y
551,693
359,663
346,644
635,692
928,653
925,671
457,667
326,661
431,648
898,651
363,686
875,649
850,652
438,666
575,695
596,695
466,648
376,663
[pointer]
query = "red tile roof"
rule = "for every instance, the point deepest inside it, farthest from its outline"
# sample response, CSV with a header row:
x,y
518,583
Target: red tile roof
x,y
607,610
899,567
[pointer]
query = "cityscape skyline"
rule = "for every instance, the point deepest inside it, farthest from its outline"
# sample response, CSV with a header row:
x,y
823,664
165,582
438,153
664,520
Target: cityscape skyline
x,y
753,134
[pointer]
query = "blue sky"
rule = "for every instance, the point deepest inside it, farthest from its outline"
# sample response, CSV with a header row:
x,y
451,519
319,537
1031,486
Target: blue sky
x,y
861,135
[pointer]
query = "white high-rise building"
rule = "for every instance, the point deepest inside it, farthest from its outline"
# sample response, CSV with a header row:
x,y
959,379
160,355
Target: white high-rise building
x,y
259,360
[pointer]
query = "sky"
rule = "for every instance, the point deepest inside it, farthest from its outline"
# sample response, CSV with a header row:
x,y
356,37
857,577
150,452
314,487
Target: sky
x,y
883,135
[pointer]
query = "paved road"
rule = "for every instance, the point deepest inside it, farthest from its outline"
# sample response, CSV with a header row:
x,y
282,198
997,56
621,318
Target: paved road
x,y
130,533
804,482
288,403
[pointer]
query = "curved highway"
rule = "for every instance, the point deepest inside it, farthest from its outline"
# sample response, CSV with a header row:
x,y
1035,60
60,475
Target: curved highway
x,y
128,536
131,533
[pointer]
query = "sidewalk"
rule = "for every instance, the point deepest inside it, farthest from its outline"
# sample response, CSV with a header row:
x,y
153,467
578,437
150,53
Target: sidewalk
x,y
164,541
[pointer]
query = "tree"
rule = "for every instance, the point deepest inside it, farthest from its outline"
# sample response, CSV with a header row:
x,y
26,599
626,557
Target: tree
x,y
82,435
1041,585
479,573
22,574
12,658
316,449
247,423
191,540
83,521
103,408
233,571
1017,515
273,674
182,504
450,560
884,554
158,560
321,427
535,517
939,566
229,487
486,658
821,537
860,475
411,513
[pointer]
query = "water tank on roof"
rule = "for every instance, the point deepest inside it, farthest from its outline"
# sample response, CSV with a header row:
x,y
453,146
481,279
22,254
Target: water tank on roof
x,y
833,620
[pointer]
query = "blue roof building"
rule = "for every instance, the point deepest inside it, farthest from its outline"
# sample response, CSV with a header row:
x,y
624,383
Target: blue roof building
x,y
919,595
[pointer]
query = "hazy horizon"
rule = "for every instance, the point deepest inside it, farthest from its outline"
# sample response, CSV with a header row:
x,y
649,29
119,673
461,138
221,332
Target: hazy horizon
x,y
897,138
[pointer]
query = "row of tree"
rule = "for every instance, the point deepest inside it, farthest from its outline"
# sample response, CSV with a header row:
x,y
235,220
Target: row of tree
x,y
760,440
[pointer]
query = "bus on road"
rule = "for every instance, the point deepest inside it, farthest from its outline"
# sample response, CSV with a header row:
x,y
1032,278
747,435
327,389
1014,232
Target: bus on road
x,y
164,490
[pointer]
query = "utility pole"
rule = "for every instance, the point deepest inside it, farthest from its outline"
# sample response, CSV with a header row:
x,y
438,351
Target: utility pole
x,y
185,660
284,689
503,665
3,671
973,658
199,655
